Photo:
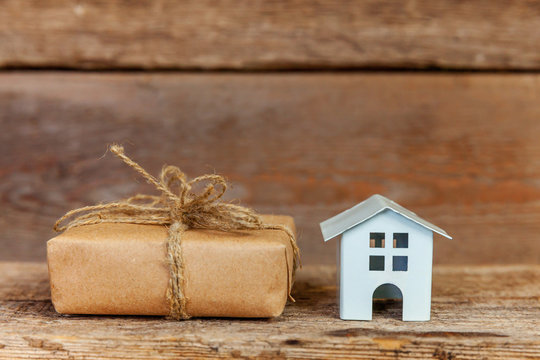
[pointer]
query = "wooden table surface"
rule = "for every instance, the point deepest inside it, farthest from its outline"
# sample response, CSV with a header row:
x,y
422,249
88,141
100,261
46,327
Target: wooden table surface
x,y
490,312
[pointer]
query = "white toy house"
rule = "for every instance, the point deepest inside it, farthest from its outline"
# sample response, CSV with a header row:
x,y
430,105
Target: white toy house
x,y
385,251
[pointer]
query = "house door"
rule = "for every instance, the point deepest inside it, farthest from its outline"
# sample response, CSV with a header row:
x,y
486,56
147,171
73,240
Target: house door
x,y
388,301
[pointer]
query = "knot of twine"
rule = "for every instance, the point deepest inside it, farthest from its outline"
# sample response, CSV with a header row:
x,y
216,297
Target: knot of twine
x,y
180,208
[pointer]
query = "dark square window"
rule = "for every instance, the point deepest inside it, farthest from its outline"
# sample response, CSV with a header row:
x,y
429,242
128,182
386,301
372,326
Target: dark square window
x,y
399,263
376,263
401,240
376,240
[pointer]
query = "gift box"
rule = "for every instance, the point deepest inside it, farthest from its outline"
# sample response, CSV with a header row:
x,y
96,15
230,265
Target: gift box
x,y
122,269
183,253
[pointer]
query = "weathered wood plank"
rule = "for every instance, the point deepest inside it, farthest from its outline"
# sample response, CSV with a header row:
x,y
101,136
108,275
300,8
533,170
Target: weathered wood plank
x,y
478,312
460,150
283,34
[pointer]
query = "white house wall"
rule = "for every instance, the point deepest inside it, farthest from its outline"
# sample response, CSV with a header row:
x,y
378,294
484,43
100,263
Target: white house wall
x,y
338,273
358,283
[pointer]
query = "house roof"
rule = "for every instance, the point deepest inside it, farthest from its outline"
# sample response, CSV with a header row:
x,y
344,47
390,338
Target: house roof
x,y
367,209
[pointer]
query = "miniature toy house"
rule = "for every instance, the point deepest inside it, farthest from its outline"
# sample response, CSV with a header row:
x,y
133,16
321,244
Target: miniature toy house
x,y
385,251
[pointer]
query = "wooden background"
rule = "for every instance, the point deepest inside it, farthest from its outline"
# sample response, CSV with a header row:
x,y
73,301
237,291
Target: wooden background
x,y
307,107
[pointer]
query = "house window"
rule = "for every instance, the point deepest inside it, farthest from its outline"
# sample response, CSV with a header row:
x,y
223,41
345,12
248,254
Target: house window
x,y
401,240
399,263
376,240
376,263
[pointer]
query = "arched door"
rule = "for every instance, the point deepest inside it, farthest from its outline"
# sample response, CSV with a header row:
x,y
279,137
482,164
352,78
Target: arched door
x,y
388,301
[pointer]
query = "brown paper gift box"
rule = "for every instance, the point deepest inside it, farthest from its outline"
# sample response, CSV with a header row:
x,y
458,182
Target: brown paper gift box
x,y
122,269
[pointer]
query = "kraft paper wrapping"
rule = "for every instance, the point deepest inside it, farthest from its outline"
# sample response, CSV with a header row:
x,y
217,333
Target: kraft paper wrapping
x,y
121,269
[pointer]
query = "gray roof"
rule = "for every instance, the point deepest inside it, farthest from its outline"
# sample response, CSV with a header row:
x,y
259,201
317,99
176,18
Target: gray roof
x,y
367,209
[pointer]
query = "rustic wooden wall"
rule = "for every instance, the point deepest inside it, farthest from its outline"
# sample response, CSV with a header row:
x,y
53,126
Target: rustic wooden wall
x,y
460,148
278,34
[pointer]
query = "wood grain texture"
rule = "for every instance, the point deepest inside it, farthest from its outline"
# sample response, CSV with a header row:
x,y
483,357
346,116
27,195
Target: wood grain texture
x,y
488,312
461,150
282,34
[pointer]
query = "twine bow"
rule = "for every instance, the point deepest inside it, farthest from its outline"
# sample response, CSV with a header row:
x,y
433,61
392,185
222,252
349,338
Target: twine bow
x,y
180,208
